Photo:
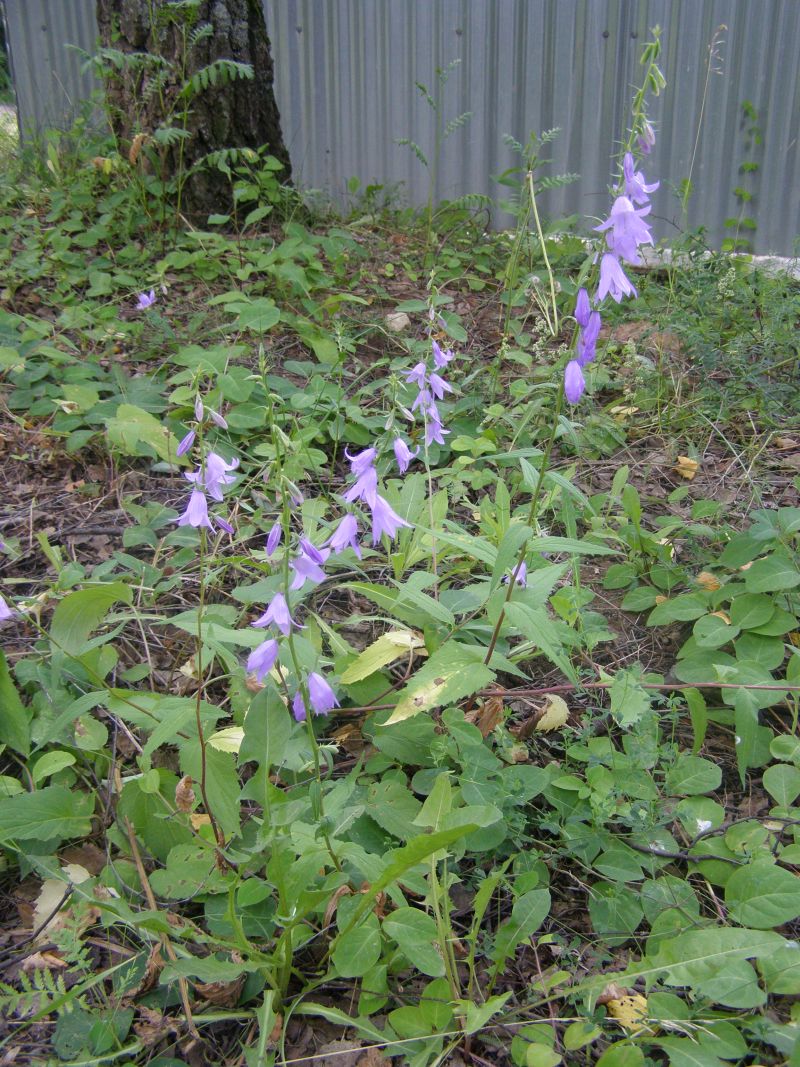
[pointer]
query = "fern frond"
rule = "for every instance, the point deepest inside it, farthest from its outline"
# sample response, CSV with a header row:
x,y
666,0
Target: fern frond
x,y
220,72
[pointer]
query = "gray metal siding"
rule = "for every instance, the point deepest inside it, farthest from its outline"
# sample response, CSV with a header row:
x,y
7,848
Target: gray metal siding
x,y
345,74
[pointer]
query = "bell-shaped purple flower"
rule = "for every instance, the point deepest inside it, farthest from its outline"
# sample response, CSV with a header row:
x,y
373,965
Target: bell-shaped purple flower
x,y
434,431
5,611
583,308
277,614
198,409
403,454
635,186
223,524
185,443
345,536
613,280
218,419
574,383
417,375
440,358
274,538
306,566
625,230
385,520
216,474
262,659
521,577
439,386
587,339
362,462
196,513
365,487
320,696
146,300
647,138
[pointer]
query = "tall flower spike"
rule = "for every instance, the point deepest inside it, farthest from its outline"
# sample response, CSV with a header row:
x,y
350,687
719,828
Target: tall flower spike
x,y
635,186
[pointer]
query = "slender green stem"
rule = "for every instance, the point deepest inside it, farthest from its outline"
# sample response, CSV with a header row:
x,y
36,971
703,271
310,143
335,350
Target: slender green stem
x,y
553,325
218,835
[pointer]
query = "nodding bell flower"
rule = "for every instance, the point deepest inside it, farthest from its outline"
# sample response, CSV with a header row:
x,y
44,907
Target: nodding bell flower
x,y
198,409
646,139
320,696
613,280
186,443
214,475
277,614
635,185
583,308
588,339
385,521
223,524
306,566
274,538
403,454
574,382
345,536
440,357
625,231
262,659
146,300
217,419
196,513
521,578
5,611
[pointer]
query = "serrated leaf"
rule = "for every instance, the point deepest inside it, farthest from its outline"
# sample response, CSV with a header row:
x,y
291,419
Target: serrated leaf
x,y
629,701
14,717
131,426
389,647
52,812
453,672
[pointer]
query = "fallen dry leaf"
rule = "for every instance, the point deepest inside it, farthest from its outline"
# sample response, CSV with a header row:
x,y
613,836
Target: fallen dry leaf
x,y
630,1012
488,715
687,468
707,580
555,714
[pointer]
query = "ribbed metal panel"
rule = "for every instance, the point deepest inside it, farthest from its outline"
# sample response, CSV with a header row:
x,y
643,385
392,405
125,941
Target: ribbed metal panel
x,y
346,69
50,83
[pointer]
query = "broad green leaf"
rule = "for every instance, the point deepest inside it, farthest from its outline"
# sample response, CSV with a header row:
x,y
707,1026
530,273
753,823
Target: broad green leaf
x,y
205,969
49,764
358,949
678,957
686,1052
80,612
222,782
782,782
437,804
454,671
267,729
536,626
692,775
772,574
529,912
763,895
131,427
389,647
393,807
415,933
258,315
622,1055
750,610
47,814
781,971
570,546
14,717
629,701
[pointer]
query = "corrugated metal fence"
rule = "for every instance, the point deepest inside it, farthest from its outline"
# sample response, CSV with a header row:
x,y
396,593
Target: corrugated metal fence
x,y
346,73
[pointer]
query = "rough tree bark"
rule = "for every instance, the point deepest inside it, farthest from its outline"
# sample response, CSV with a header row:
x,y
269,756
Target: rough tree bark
x,y
234,114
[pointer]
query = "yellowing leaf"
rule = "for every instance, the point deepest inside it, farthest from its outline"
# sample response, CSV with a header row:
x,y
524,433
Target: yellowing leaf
x,y
687,468
556,713
389,647
629,1011
227,740
709,581
50,896
722,615
454,671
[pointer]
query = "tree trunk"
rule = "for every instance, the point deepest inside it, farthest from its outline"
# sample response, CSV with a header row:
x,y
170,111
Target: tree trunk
x,y
164,44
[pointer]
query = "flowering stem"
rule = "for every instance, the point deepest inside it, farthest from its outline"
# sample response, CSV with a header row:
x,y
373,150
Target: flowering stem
x,y
553,326
218,835
434,561
532,514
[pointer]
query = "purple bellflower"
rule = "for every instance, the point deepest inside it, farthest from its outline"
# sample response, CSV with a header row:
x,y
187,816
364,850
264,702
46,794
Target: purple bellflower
x,y
277,614
434,430
635,187
583,308
416,376
218,419
199,410
320,696
186,443
626,230
196,513
366,485
613,280
521,578
223,524
439,386
306,566
274,538
403,454
574,382
440,358
385,520
216,474
588,339
5,611
345,535
262,659
146,300
646,139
